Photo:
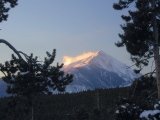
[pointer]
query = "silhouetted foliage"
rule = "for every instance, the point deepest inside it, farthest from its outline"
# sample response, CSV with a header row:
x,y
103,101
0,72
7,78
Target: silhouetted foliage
x,y
33,76
138,36
29,77
5,6
141,96
65,106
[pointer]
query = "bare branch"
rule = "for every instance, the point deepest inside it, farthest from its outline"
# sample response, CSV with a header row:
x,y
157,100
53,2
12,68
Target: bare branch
x,y
152,94
149,73
25,55
12,48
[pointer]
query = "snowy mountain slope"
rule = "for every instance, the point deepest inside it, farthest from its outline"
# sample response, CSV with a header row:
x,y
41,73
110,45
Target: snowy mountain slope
x,y
99,70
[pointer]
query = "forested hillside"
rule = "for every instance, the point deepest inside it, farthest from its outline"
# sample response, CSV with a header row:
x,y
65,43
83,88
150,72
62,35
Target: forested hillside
x,y
99,104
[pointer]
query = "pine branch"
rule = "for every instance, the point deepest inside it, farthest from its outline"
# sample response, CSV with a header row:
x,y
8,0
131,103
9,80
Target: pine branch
x,y
140,61
139,78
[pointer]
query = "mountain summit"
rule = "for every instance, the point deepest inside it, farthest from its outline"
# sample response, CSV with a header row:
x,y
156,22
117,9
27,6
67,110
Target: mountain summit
x,y
98,70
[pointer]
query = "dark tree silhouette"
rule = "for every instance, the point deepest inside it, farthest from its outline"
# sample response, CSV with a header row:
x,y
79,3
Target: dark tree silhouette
x,y
141,34
5,6
26,76
29,76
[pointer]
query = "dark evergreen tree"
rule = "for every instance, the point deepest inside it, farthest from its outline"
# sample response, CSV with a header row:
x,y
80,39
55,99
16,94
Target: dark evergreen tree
x,y
141,96
4,8
28,77
33,76
63,106
141,34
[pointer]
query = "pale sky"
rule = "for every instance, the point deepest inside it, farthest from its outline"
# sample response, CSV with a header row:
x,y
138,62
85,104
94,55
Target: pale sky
x,y
72,27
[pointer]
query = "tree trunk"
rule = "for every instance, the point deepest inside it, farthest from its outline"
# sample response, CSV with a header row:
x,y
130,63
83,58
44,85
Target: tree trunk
x,y
32,113
97,98
156,48
157,64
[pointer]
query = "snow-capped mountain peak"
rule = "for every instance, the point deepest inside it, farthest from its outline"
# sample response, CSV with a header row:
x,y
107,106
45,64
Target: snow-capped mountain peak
x,y
99,70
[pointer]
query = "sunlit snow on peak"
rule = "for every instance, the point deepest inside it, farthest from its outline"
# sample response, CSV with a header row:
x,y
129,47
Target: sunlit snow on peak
x,y
68,59
84,59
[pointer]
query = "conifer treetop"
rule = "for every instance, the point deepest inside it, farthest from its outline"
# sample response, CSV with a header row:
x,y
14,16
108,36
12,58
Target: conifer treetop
x,y
27,75
137,36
